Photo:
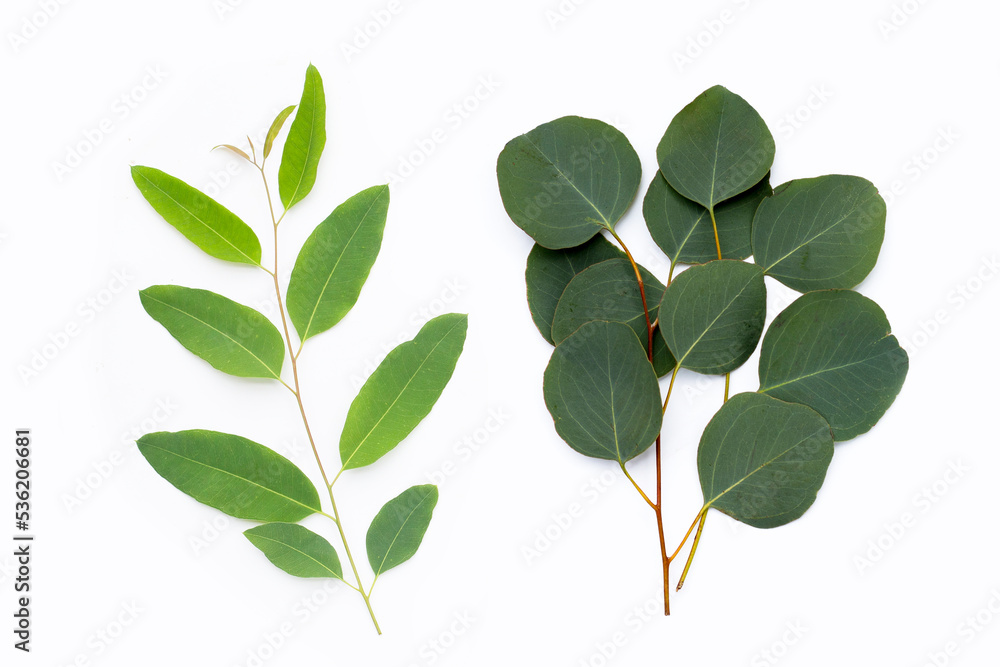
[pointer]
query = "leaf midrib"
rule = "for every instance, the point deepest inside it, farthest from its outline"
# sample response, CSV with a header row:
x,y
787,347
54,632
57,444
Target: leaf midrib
x,y
292,199
395,537
299,551
566,178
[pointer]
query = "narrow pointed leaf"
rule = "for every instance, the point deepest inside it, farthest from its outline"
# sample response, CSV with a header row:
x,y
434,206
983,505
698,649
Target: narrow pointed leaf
x,y
820,233
296,550
304,144
204,221
239,151
566,180
272,132
602,392
398,528
234,338
762,461
402,391
232,474
608,291
335,260
715,148
832,351
712,315
549,272
683,228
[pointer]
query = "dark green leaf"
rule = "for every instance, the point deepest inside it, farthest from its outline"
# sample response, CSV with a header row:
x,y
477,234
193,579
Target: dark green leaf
x,y
712,315
832,351
402,391
399,527
683,229
304,144
549,271
820,233
296,550
566,180
232,474
235,339
204,221
609,291
762,461
272,132
716,147
335,260
602,392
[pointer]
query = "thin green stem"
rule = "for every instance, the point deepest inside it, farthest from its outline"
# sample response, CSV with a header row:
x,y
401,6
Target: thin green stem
x,y
725,396
636,485
642,291
694,548
715,230
670,388
350,559
697,519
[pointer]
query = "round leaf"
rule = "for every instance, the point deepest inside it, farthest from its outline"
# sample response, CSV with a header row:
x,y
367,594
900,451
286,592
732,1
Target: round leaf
x,y
602,392
832,351
712,315
820,233
398,528
762,461
566,180
296,550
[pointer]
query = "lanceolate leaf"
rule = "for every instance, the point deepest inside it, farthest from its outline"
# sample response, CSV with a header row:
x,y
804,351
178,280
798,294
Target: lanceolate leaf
x,y
402,391
239,151
232,474
204,221
832,351
296,550
609,291
272,132
602,392
716,147
398,528
335,260
304,144
235,339
566,180
820,233
712,315
549,272
762,461
683,229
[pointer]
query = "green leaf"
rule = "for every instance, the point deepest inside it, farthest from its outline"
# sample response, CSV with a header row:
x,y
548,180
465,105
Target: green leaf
x,y
204,221
820,233
715,148
296,550
762,461
683,228
402,391
235,339
398,528
608,291
272,132
335,260
832,351
304,144
602,392
566,180
712,315
549,271
232,474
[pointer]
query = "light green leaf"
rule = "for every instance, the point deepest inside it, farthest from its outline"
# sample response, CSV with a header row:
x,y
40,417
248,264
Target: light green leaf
x,y
832,351
566,180
232,474
715,148
820,233
335,260
272,132
398,528
304,144
683,228
712,315
602,392
608,291
402,391
204,221
233,338
762,461
549,271
296,550
239,151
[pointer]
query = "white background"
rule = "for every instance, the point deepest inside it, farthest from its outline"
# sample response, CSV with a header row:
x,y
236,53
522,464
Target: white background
x,y
113,537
